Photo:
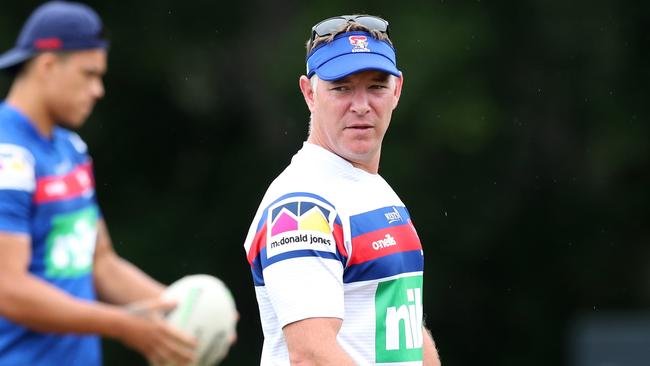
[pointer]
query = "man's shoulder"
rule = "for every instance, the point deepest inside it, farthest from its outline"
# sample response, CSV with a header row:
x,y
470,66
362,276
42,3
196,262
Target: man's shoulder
x,y
15,148
301,181
16,168
298,179
8,131
17,159
15,128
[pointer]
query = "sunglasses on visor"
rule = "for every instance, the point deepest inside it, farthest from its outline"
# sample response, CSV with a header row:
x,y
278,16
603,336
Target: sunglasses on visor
x,y
334,24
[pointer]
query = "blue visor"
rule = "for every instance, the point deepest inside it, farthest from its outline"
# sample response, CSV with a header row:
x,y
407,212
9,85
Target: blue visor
x,y
350,53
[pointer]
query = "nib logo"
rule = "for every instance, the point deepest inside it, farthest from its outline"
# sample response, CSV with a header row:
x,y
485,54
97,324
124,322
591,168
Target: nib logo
x,y
398,305
408,315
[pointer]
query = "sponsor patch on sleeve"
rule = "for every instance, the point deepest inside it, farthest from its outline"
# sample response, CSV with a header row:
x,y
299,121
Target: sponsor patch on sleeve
x,y
300,223
16,168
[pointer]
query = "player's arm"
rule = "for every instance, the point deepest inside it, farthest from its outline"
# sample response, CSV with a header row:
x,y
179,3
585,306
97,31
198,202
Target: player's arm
x,y
430,352
313,342
27,300
117,280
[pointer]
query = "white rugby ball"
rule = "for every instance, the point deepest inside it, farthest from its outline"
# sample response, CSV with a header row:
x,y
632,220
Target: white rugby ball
x,y
206,310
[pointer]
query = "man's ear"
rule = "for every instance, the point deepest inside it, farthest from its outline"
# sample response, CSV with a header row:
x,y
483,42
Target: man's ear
x,y
399,81
43,64
307,91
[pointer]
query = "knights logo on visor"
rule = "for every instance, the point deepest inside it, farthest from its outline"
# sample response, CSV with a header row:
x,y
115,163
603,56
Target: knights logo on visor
x,y
360,43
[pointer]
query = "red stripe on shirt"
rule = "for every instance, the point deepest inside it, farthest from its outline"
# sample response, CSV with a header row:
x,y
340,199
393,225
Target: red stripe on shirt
x,y
259,242
61,187
377,244
338,239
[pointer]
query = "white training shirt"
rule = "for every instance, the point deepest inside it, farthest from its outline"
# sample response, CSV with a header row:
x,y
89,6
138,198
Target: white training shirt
x,y
331,240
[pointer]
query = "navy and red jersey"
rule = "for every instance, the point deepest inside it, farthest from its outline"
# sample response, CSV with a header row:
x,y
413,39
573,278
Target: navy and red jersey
x,y
331,240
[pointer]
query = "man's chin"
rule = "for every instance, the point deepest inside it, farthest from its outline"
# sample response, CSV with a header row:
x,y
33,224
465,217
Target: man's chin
x,y
359,155
72,124
361,149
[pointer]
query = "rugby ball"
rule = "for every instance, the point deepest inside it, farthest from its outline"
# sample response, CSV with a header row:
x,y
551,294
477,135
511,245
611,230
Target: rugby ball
x,y
206,310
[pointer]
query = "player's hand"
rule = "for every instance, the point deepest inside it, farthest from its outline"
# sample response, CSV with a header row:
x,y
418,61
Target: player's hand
x,y
233,338
157,340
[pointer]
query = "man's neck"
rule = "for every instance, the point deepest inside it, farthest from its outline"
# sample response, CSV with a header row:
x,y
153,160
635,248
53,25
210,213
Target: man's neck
x,y
28,102
369,165
372,168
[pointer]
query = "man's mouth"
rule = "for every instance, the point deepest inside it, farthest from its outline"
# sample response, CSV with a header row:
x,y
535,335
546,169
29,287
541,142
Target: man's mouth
x,y
360,127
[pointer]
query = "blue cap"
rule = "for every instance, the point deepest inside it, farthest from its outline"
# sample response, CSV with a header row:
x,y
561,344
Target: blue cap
x,y
349,53
56,26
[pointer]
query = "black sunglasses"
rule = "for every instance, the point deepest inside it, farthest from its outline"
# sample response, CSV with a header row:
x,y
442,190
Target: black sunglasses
x,y
334,24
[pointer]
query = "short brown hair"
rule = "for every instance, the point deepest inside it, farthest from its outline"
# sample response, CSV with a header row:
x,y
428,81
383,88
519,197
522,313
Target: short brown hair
x,y
350,26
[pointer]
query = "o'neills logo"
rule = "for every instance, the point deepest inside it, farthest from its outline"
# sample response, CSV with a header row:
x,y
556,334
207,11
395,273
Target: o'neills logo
x,y
360,43
304,238
388,241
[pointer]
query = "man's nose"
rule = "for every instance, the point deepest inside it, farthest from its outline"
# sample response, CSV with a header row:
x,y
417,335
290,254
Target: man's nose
x,y
360,103
97,88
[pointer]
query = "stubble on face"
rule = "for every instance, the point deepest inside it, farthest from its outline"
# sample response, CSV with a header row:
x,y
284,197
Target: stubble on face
x,y
351,116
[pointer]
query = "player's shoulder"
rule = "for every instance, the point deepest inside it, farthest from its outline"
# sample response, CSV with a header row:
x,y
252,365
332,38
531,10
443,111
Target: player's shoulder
x,y
16,167
8,131
16,156
288,193
291,180
303,179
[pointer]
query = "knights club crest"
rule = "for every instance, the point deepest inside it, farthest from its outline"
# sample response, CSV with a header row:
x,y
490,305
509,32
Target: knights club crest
x,y
359,43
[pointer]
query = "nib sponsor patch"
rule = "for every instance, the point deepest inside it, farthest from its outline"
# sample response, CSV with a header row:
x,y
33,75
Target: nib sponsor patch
x,y
398,308
300,223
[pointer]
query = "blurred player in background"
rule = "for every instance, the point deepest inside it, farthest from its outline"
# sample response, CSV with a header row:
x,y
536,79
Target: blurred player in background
x,y
58,270
336,262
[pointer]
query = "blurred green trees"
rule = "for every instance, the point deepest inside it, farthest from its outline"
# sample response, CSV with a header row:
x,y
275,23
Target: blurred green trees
x,y
520,147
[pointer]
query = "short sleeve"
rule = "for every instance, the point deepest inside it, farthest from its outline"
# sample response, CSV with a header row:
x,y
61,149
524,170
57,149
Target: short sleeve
x,y
300,258
17,184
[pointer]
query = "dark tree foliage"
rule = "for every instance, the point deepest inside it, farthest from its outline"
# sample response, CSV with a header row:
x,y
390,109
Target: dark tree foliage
x,y
520,146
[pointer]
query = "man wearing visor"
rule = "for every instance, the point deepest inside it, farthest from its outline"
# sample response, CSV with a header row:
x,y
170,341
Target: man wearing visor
x,y
56,258
336,262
